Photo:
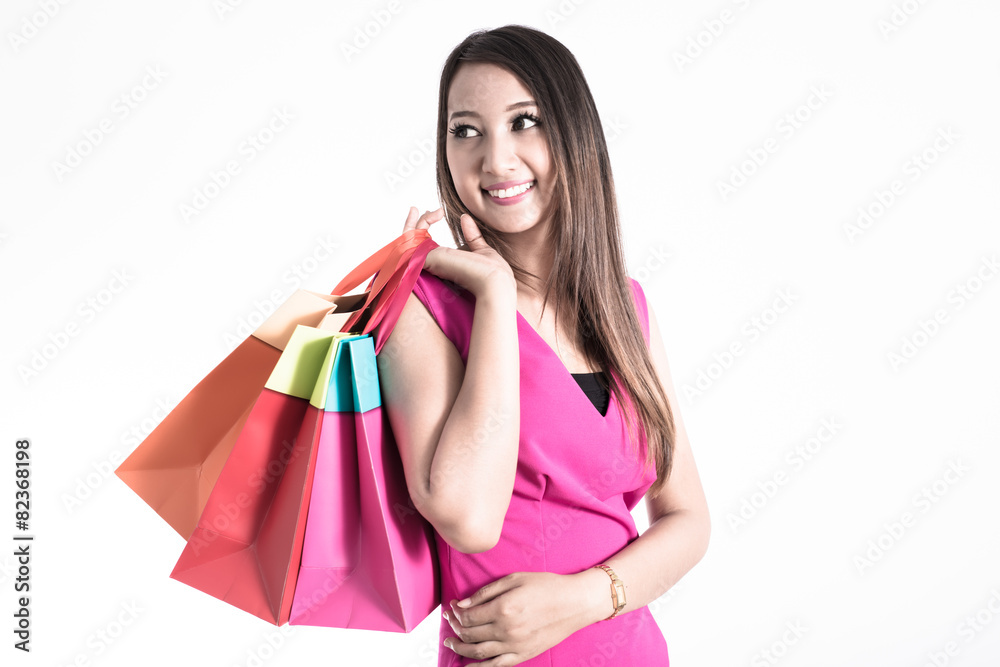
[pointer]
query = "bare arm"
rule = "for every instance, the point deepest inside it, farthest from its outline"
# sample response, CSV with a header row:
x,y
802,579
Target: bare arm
x,y
525,613
678,535
456,427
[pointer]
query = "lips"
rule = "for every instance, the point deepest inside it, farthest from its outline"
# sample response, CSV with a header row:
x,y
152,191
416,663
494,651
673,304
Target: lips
x,y
509,189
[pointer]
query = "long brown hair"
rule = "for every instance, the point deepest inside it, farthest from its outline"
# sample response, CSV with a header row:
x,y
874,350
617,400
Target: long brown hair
x,y
588,266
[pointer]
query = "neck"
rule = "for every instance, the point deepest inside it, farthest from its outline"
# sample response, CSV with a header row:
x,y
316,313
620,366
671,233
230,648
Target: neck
x,y
535,253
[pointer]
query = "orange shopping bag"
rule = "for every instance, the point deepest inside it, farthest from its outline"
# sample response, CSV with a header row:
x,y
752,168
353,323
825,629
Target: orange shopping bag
x,y
175,468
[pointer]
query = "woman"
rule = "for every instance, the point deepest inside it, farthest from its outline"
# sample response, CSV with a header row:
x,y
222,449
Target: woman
x,y
527,433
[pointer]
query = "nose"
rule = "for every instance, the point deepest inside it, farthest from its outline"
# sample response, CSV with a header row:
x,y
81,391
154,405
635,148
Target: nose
x,y
500,156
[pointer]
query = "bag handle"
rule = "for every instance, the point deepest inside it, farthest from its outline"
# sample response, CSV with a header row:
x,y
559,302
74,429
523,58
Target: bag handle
x,y
392,251
386,319
397,290
393,257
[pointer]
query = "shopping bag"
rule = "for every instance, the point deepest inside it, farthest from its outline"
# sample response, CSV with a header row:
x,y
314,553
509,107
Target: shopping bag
x,y
175,468
369,560
245,547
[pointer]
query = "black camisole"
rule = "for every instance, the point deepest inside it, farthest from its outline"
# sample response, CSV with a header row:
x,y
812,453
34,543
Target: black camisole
x,y
596,392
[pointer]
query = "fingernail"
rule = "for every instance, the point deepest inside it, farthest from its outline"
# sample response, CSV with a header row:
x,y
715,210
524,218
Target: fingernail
x,y
464,603
447,642
446,617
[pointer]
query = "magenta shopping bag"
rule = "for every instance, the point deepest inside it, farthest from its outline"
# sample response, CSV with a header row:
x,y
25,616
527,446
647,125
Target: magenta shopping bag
x,y
369,560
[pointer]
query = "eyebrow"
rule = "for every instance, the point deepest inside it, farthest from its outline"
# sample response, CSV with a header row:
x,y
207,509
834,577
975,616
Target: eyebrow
x,y
516,105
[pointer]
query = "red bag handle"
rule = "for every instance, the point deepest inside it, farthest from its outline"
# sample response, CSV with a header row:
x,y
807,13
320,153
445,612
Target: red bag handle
x,y
397,289
388,317
411,238
391,259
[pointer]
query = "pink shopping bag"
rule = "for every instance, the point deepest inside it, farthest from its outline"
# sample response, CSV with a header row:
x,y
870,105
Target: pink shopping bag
x,y
369,561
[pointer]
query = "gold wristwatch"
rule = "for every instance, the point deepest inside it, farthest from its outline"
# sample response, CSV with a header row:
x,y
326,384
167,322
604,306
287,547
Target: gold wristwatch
x,y
617,590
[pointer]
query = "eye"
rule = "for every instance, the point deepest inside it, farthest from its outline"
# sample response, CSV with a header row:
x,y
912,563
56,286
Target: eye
x,y
461,131
526,117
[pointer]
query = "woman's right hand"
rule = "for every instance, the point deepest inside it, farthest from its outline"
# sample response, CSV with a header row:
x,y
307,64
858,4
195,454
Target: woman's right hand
x,y
477,268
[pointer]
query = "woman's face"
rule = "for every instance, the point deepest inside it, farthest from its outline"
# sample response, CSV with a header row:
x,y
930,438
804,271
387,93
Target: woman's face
x,y
496,148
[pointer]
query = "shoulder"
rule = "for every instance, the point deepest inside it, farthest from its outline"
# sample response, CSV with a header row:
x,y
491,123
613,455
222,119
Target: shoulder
x,y
445,305
436,292
637,291
418,352
642,307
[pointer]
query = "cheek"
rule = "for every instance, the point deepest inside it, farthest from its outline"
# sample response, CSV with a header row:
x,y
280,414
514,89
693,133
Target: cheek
x,y
466,180
461,171
541,160
468,187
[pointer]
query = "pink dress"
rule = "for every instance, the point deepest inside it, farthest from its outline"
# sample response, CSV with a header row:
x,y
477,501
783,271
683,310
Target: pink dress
x,y
577,481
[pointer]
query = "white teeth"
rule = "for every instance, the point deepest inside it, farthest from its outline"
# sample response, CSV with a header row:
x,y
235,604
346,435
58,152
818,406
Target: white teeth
x,y
510,192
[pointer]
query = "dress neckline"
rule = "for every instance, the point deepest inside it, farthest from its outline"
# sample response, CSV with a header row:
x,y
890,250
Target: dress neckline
x,y
572,376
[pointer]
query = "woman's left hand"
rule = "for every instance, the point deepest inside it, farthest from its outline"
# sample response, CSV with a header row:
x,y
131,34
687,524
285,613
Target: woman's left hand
x,y
515,618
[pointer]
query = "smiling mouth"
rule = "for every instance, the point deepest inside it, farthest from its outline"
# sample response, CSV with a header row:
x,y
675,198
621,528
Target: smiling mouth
x,y
511,192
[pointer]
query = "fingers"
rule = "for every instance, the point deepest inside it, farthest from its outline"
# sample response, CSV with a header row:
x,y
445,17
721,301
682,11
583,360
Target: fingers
x,y
471,634
411,219
415,221
470,230
479,651
469,617
430,217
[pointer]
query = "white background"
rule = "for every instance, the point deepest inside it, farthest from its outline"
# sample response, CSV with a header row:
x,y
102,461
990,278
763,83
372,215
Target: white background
x,y
895,77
